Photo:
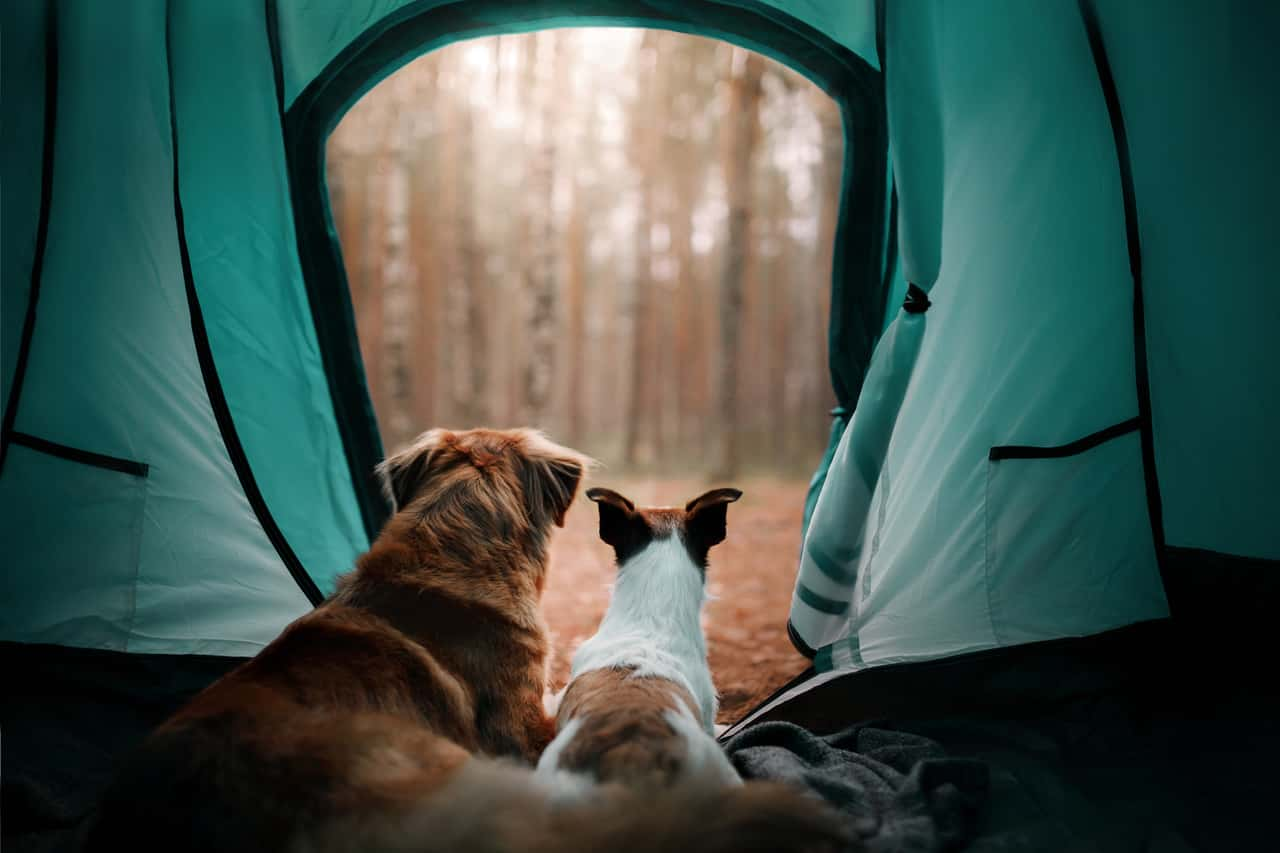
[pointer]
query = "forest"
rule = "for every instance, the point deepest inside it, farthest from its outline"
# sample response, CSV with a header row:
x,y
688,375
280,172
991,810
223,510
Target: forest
x,y
621,236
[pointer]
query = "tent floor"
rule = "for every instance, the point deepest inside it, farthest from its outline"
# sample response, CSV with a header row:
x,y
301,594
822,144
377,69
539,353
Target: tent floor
x,y
1118,742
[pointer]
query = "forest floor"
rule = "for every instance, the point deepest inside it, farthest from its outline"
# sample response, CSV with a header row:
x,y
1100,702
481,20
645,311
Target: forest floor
x,y
750,578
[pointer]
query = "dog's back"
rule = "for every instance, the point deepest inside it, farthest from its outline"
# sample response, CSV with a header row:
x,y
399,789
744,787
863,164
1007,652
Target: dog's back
x,y
643,730
431,650
340,716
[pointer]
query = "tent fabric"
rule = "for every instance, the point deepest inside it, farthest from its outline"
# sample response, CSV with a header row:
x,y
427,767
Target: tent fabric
x,y
186,450
178,560
23,91
1020,498
240,233
315,32
1054,363
1197,85
934,545
178,449
857,288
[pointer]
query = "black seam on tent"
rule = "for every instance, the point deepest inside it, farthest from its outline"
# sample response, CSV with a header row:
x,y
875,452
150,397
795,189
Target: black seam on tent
x,y
42,227
1073,448
1112,97
880,18
798,643
795,681
995,655
84,457
329,298
209,370
858,298
1189,552
271,13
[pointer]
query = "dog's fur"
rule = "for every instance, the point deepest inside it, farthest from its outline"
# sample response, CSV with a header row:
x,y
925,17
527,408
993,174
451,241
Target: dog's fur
x,y
401,714
640,705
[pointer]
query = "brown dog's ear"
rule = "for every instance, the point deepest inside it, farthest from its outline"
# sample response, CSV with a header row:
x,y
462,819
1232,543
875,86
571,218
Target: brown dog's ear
x,y
403,473
620,526
704,521
551,474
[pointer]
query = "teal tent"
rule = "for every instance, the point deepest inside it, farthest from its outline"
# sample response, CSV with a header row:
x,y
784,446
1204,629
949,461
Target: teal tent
x,y
1052,339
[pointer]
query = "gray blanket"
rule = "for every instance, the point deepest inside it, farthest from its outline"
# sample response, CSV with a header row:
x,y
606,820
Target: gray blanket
x,y
901,792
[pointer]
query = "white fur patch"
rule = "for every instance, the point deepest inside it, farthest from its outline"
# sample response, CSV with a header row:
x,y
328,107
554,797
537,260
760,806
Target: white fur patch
x,y
654,624
705,760
565,787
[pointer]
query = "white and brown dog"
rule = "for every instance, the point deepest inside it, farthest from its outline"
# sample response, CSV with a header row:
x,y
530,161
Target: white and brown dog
x,y
640,705
402,715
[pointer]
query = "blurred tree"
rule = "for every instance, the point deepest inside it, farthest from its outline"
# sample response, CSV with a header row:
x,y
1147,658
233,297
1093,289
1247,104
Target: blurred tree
x,y
642,154
623,236
540,270
740,134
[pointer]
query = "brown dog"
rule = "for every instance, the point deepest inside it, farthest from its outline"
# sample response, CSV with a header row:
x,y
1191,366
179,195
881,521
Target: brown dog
x,y
379,721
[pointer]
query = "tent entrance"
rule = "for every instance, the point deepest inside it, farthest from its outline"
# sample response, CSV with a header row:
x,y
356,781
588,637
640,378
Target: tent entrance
x,y
623,237
857,300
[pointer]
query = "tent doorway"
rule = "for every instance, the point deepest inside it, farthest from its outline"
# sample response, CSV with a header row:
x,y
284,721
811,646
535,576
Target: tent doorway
x,y
623,237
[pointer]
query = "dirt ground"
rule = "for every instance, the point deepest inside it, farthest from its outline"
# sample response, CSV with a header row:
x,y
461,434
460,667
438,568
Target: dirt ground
x,y
750,579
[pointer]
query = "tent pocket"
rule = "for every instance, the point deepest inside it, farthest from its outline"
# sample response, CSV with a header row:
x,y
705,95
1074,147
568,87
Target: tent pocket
x,y
1069,549
71,532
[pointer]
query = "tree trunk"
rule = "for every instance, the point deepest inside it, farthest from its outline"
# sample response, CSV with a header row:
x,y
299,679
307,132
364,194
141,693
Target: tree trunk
x,y
464,281
423,243
397,276
739,143
634,306
575,338
540,272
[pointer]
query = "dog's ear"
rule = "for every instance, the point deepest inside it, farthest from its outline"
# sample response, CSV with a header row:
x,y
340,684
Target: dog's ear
x,y
550,475
403,473
620,526
704,519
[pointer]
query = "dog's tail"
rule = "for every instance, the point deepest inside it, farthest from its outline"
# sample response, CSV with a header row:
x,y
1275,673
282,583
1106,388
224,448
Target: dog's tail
x,y
492,807
757,817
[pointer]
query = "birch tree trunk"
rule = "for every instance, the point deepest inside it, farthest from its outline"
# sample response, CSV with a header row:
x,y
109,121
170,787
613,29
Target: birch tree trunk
x,y
465,328
397,273
540,271
741,126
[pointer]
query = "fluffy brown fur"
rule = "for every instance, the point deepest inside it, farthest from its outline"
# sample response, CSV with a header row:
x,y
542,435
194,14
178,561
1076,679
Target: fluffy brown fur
x,y
624,732
396,716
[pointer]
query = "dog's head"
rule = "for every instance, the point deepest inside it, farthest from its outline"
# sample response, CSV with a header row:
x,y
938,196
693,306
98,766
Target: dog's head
x,y
700,525
508,480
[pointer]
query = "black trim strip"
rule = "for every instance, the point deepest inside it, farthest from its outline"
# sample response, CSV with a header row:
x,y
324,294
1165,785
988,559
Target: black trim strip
x,y
858,300
880,36
42,227
209,371
800,645
271,13
793,682
911,688
1080,445
1112,97
84,457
